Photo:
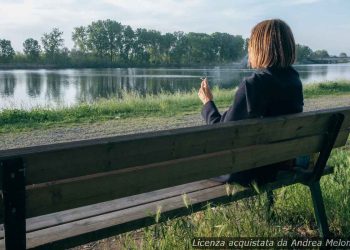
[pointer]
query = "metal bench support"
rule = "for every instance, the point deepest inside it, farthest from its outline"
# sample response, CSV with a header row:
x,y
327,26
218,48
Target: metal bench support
x,y
13,175
314,182
320,212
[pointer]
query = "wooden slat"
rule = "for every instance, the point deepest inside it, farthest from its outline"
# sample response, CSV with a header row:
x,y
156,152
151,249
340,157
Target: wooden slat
x,y
86,230
70,193
67,216
67,160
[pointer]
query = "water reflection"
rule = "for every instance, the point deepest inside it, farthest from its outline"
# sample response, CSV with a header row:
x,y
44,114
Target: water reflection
x,y
53,83
51,88
34,84
7,84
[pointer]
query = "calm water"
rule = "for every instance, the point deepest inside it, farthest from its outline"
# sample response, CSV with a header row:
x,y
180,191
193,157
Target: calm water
x,y
26,89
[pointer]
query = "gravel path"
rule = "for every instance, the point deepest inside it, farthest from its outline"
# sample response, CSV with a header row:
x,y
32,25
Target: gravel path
x,y
130,126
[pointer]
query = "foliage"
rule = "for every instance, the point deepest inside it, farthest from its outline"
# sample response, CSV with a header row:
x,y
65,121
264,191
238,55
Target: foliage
x,y
52,44
108,43
32,49
319,54
303,53
6,50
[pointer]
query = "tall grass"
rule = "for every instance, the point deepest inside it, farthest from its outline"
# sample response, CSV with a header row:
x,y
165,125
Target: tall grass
x,y
132,105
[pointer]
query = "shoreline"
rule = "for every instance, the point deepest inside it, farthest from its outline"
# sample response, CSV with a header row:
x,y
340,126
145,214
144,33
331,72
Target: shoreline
x,y
134,106
29,66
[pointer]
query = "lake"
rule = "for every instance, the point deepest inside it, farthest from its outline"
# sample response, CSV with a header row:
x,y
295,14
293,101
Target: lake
x,y
26,89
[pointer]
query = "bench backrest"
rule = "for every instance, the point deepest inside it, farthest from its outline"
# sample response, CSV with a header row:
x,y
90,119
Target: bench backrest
x,y
74,174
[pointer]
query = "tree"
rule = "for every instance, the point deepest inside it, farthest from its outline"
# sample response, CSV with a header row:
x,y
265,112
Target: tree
x,y
318,54
6,51
104,38
53,43
32,49
79,37
180,53
303,53
343,54
167,44
228,47
201,48
127,42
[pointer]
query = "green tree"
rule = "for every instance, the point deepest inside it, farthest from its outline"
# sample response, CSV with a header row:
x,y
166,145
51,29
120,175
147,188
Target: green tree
x,y
127,42
53,44
142,47
79,37
180,52
303,53
320,54
201,48
6,51
104,38
167,44
32,49
228,47
343,54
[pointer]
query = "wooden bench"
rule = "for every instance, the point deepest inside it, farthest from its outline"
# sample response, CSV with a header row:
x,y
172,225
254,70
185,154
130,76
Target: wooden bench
x,y
67,194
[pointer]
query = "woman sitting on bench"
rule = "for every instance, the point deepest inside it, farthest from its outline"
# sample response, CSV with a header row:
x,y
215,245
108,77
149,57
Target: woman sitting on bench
x,y
273,89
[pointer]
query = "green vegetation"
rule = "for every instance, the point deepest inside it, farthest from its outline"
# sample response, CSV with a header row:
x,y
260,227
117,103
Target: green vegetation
x,y
327,88
132,105
108,43
292,215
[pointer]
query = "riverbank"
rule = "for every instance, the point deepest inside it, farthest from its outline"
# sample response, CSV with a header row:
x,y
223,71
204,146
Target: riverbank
x,y
241,64
63,132
134,106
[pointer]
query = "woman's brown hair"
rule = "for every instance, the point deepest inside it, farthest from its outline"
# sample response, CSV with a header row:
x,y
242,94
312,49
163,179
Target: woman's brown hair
x,y
271,44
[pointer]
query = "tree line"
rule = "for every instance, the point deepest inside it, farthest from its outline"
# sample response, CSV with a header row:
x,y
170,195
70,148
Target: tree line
x,y
106,43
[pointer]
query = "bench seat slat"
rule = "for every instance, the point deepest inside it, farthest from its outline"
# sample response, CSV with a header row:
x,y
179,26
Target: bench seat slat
x,y
71,215
123,219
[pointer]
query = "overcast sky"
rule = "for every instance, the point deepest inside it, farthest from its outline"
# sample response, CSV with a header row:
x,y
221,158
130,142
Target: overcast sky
x,y
320,24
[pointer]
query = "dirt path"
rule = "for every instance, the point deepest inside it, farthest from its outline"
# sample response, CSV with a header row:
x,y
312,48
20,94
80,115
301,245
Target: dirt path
x,y
130,126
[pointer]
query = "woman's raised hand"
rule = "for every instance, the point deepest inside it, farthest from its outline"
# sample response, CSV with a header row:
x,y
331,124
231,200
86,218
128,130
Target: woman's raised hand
x,y
204,92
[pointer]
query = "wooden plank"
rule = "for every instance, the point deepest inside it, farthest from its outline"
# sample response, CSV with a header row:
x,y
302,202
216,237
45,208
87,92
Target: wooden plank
x,y
86,230
67,160
71,215
75,192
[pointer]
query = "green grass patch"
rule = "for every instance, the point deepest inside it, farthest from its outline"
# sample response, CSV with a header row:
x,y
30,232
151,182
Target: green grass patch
x,y
132,105
327,88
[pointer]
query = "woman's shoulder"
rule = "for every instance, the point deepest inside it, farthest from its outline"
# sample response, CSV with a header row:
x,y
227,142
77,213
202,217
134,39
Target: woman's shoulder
x,y
257,76
269,75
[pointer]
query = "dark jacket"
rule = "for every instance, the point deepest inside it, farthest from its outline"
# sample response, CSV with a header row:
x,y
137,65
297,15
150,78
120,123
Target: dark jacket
x,y
267,92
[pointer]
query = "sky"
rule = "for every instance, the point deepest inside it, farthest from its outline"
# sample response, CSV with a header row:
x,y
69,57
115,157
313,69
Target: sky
x,y
320,24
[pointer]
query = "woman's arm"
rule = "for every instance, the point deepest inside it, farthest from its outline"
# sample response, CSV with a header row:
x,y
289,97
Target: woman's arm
x,y
237,111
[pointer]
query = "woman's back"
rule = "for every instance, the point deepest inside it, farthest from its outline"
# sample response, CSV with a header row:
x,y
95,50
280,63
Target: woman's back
x,y
268,92
273,89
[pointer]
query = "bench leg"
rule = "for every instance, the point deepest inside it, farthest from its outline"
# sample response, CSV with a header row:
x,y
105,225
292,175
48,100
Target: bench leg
x,y
269,205
320,212
14,204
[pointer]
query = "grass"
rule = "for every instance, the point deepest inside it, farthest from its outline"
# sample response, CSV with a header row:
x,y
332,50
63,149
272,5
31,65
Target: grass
x,y
133,106
293,216
326,88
